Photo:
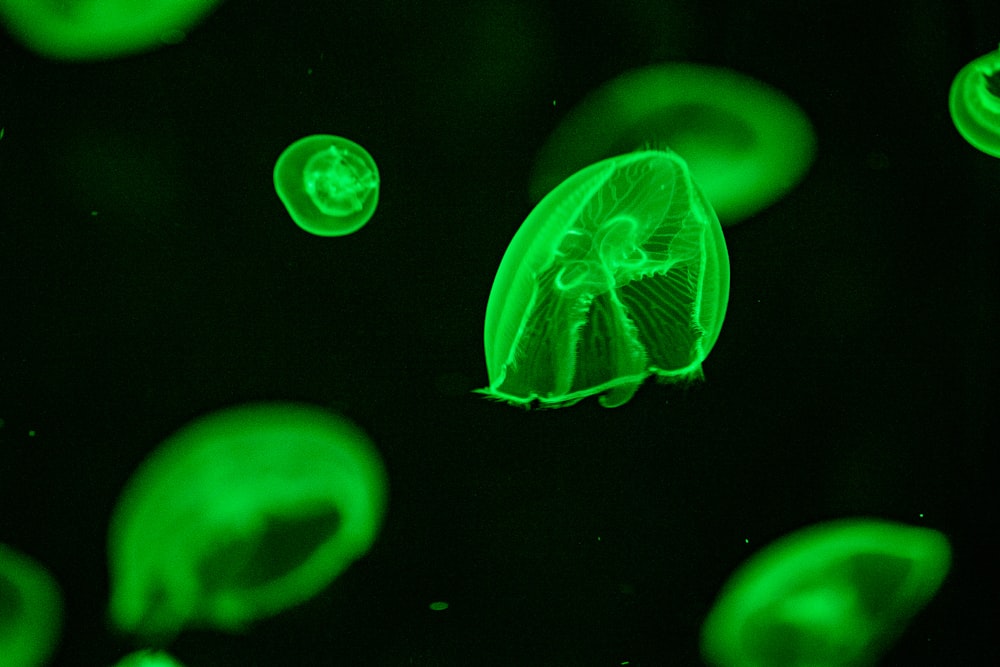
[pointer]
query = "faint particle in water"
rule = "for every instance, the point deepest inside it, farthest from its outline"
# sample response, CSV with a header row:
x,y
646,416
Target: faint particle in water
x,y
30,610
620,273
832,595
974,103
747,144
328,184
100,29
437,606
240,515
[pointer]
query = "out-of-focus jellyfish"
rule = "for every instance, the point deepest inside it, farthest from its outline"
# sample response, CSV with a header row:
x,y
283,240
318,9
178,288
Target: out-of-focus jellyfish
x,y
100,29
620,273
239,515
832,595
745,142
974,102
30,611
328,184
148,658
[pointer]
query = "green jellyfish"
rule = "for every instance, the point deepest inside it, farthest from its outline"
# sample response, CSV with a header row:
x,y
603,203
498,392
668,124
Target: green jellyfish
x,y
239,515
328,184
100,29
974,102
620,273
30,611
745,142
831,595
148,658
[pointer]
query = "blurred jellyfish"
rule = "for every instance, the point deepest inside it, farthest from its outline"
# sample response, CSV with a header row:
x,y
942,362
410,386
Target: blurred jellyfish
x,y
239,515
148,658
745,142
620,273
832,595
974,102
100,29
30,611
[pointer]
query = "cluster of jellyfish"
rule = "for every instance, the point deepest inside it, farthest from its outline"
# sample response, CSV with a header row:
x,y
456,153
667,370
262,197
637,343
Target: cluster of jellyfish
x,y
835,594
619,273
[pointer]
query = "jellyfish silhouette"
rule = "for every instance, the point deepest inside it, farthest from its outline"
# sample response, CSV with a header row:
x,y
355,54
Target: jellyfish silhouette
x,y
239,515
100,29
30,611
620,273
831,595
745,142
974,102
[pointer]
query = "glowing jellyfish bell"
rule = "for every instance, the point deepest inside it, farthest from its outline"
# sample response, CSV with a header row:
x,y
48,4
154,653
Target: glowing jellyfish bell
x,y
239,515
148,658
974,103
328,184
620,273
30,611
745,142
832,595
100,29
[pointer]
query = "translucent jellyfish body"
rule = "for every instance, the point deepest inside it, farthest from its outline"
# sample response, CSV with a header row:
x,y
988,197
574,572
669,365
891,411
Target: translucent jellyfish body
x,y
620,273
30,611
832,595
100,29
239,515
974,103
328,184
148,658
745,142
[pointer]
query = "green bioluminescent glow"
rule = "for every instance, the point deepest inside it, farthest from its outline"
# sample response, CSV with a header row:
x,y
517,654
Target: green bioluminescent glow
x,y
974,102
100,29
745,142
620,273
832,595
30,611
239,515
328,184
148,659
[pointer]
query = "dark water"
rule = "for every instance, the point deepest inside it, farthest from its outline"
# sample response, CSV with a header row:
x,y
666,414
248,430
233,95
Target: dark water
x,y
149,274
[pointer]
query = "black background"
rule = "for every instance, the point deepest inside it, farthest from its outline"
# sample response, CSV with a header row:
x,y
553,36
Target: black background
x,y
854,374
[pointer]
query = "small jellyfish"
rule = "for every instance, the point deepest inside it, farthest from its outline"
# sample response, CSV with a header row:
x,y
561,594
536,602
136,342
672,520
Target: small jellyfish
x,y
100,29
239,515
745,142
620,273
831,595
30,611
328,184
974,102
